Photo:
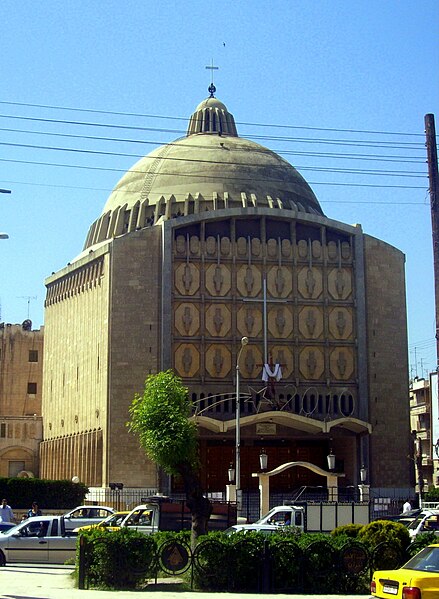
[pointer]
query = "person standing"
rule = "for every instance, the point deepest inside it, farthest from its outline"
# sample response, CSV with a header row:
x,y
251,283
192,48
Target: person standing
x,y
34,511
6,513
406,507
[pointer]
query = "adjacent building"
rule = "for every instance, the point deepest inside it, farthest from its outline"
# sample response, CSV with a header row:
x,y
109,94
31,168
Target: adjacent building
x,y
21,383
209,239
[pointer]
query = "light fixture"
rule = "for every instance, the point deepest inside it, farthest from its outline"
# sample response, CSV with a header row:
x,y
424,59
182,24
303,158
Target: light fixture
x,y
231,473
263,460
114,486
244,342
363,473
331,460
75,479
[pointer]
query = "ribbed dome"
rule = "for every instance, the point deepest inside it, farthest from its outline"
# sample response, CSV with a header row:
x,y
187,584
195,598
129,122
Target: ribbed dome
x,y
212,167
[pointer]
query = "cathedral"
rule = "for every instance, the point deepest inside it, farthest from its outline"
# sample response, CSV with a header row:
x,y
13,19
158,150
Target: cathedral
x,y
212,257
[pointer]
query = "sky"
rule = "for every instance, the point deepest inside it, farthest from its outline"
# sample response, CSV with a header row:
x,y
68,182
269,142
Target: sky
x,y
339,88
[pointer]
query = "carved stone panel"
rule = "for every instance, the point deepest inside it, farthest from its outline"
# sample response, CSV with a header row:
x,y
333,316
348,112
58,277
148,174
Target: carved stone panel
x,y
341,362
187,360
279,281
272,248
187,279
340,283
187,319
194,245
311,363
311,322
250,362
218,280
284,356
180,245
218,360
211,246
280,321
249,280
225,246
310,282
218,320
249,320
340,323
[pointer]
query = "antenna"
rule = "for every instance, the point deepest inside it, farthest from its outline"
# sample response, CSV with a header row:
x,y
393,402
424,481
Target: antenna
x,y
28,298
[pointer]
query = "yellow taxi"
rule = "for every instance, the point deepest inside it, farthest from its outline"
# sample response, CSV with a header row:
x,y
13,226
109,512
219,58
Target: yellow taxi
x,y
111,522
417,579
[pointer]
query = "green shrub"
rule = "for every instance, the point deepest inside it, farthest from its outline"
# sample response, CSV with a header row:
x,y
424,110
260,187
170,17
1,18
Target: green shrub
x,y
432,494
22,492
380,531
122,559
349,530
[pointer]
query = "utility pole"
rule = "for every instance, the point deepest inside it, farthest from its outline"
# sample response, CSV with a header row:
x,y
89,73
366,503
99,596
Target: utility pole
x,y
430,133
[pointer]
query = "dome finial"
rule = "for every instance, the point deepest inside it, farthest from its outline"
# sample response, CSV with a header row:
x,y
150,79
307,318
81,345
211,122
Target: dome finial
x,y
212,89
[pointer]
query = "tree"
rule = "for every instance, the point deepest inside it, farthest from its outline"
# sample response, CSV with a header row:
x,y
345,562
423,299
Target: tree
x,y
160,418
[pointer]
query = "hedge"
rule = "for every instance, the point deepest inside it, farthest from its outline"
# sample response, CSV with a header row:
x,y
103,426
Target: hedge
x,y
22,492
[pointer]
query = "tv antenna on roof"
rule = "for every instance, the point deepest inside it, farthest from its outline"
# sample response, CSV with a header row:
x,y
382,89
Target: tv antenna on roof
x,y
28,298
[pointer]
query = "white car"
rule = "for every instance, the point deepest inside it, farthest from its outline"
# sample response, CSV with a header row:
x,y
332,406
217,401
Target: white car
x,y
84,515
426,521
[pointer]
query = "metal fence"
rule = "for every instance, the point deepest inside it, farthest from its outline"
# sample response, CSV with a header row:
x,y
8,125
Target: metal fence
x,y
264,567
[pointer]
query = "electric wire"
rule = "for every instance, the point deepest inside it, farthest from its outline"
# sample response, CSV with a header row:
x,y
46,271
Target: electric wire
x,y
155,116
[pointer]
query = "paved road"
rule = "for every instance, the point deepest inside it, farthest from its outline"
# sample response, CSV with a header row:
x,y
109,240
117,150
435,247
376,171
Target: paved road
x,y
55,582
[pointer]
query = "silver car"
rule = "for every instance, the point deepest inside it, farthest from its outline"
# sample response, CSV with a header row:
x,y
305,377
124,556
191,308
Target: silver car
x,y
85,515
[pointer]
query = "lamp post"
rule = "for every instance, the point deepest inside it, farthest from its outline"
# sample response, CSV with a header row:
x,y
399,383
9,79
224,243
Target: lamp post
x,y
4,235
331,460
363,474
244,342
263,460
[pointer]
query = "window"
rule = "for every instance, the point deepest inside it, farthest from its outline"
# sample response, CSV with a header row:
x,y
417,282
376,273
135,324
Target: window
x,y
3,430
33,355
32,388
14,468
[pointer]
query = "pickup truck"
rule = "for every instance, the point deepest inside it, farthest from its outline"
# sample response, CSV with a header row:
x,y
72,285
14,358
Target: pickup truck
x,y
318,517
278,517
42,539
173,515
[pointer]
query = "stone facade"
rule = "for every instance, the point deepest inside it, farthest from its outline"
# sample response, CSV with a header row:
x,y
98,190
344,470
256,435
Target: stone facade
x,y
205,241
21,378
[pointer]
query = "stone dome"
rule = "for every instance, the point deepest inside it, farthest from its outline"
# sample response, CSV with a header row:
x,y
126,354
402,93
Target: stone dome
x,y
209,169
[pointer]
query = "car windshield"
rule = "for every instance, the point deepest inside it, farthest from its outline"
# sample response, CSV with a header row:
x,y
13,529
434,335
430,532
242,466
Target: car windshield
x,y
426,560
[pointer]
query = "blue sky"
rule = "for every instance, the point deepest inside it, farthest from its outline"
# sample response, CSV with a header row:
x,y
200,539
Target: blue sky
x,y
327,71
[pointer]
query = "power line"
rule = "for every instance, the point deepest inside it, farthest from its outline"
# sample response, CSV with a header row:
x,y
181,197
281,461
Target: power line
x,y
375,157
356,143
155,116
200,175
416,174
108,189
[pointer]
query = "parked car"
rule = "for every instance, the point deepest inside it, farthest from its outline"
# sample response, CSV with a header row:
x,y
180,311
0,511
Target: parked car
x,y
84,515
426,521
4,526
417,579
111,522
404,518
40,539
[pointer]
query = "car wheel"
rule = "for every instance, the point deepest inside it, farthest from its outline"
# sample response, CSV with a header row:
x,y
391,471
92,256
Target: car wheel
x,y
2,559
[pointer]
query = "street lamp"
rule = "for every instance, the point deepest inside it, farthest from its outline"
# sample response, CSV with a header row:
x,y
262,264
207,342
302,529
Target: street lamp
x,y
231,474
331,460
4,235
244,342
263,460
363,474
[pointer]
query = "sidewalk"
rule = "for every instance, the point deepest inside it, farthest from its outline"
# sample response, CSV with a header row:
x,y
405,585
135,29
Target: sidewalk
x,y
55,582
